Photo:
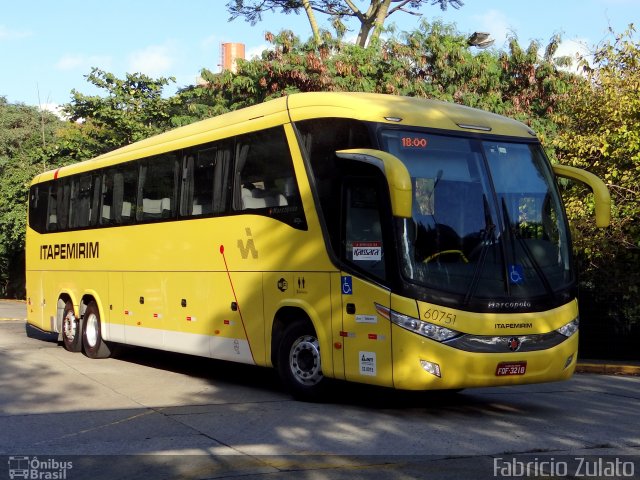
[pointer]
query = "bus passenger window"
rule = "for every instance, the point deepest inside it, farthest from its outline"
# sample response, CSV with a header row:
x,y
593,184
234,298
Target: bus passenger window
x,y
125,188
106,204
52,210
81,195
205,174
60,198
159,187
264,178
38,196
260,156
95,201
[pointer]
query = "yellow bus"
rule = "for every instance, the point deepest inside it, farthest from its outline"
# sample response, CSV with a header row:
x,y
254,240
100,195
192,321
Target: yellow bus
x,y
386,240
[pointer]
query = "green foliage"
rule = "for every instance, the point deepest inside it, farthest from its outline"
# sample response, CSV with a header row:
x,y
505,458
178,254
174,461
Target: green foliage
x,y
599,130
132,109
26,133
32,141
433,61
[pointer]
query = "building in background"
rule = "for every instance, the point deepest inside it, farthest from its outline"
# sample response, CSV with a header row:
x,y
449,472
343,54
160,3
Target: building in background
x,y
229,53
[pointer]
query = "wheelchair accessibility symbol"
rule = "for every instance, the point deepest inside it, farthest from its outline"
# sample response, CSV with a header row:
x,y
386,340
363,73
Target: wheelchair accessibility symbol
x,y
347,286
516,274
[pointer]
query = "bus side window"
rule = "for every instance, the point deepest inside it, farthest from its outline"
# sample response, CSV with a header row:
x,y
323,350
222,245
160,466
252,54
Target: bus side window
x,y
264,178
320,138
56,205
158,184
95,200
64,201
259,157
52,209
187,200
221,180
125,189
107,212
204,171
81,195
38,196
205,180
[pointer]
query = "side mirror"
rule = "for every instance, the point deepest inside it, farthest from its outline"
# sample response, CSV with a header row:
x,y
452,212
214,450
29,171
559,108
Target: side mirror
x,y
394,170
597,186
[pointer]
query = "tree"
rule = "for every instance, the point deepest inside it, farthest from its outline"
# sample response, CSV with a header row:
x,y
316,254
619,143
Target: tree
x,y
371,20
599,130
26,133
132,109
32,141
434,61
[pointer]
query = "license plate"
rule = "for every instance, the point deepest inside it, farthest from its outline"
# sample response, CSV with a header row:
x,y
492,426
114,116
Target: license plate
x,y
505,369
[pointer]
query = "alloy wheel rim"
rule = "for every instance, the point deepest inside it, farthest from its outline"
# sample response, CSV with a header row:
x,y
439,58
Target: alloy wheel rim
x,y
304,360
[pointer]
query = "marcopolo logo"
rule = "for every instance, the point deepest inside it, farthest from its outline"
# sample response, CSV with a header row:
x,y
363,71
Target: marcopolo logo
x,y
37,469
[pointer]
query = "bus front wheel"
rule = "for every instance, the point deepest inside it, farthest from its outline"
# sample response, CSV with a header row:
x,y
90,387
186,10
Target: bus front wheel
x,y
71,329
299,362
94,345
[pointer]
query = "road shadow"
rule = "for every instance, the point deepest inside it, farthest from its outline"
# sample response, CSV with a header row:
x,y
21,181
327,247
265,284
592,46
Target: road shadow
x,y
338,392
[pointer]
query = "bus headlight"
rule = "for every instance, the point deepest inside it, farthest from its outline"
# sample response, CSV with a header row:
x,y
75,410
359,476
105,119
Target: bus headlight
x,y
426,329
570,328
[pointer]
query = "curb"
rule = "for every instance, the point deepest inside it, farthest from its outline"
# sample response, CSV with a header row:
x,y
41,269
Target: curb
x,y
608,369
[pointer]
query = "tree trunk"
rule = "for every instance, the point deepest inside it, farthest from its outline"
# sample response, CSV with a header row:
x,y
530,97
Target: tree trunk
x,y
363,34
312,21
372,21
378,22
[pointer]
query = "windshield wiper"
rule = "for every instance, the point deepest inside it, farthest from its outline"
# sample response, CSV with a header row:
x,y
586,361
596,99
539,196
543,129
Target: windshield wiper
x,y
487,238
513,230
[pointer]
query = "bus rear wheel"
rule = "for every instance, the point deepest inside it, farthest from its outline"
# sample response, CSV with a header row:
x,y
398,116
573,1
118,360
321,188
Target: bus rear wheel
x,y
94,345
300,362
71,329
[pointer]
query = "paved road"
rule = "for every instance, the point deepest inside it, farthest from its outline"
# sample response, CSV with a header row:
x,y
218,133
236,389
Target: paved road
x,y
13,310
147,414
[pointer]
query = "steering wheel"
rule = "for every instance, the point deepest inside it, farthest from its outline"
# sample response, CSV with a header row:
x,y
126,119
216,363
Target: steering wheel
x,y
446,252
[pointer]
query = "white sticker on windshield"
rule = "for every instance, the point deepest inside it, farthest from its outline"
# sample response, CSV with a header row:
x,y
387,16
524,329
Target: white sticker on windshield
x,y
367,251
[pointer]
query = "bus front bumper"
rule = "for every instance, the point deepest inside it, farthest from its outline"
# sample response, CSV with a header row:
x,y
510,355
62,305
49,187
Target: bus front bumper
x,y
423,364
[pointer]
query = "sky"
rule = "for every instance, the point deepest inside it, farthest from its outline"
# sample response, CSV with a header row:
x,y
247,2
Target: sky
x,y
47,47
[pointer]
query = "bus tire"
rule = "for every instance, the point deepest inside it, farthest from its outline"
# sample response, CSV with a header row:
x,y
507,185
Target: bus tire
x,y
94,345
299,362
71,329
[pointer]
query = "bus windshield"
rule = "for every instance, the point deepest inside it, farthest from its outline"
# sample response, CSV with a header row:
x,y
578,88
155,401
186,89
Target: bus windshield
x,y
487,219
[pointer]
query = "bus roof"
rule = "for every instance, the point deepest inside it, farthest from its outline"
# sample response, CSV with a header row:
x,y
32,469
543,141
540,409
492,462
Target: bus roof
x,y
374,107
401,110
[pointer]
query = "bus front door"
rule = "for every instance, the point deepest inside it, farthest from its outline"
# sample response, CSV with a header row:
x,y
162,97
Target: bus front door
x,y
366,334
